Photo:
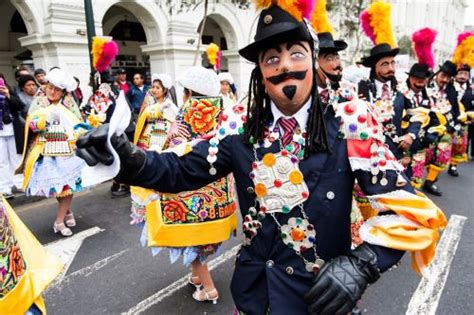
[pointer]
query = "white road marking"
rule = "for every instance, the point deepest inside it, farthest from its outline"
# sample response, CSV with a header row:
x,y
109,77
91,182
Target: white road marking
x,y
86,271
426,297
180,283
67,248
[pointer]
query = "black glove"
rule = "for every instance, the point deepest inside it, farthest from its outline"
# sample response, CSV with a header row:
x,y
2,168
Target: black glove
x,y
341,282
92,148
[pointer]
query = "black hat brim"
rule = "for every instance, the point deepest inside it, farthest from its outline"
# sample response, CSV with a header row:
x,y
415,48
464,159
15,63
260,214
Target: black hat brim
x,y
420,75
274,35
370,61
338,46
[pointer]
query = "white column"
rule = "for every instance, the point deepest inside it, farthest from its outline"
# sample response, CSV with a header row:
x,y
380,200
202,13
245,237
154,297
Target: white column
x,y
240,70
61,50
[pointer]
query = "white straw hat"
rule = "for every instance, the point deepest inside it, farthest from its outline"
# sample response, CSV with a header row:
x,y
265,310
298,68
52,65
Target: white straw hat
x,y
61,79
200,80
164,78
226,76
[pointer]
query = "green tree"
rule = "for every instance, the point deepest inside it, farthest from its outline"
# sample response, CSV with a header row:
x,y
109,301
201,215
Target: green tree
x,y
404,44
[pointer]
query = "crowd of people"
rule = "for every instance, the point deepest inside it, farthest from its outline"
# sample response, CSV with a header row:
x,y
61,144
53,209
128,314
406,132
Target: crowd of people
x,y
328,172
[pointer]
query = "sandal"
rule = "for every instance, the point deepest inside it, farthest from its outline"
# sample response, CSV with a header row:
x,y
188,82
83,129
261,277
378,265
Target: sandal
x,y
203,295
195,281
70,221
61,228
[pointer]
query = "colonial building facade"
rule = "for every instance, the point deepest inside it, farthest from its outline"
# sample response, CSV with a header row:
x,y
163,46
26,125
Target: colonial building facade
x,y
162,35
158,35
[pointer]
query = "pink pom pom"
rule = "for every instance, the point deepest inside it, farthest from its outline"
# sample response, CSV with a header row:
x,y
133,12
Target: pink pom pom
x,y
365,24
463,36
108,56
423,45
218,60
306,7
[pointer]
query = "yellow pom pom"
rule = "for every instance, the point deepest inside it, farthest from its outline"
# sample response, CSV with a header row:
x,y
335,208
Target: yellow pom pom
x,y
320,20
380,13
97,48
464,53
212,51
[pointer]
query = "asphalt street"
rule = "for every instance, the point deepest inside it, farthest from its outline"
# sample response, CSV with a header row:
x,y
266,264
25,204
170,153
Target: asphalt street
x,y
111,273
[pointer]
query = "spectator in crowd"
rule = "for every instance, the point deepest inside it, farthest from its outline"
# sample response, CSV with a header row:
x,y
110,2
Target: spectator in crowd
x,y
77,93
28,88
20,71
121,81
40,76
11,138
137,92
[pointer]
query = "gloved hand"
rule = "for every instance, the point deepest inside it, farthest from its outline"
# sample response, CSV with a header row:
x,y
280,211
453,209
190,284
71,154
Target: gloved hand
x,y
92,148
342,281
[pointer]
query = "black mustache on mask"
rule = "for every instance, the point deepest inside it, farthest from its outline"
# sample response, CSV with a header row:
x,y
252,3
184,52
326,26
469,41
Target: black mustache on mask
x,y
338,68
277,79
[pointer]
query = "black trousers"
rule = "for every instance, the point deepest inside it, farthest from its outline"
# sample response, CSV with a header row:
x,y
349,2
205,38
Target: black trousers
x,y
470,141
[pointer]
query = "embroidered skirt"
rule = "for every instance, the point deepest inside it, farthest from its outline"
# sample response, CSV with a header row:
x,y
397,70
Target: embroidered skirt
x,y
56,176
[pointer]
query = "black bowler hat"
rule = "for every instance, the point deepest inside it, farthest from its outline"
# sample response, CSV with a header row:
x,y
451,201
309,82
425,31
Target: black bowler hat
x,y
121,71
275,26
328,45
420,71
449,68
378,52
464,67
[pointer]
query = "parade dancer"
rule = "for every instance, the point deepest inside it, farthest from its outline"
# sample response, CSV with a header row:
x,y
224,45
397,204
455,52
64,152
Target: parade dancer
x,y
381,89
466,96
157,115
294,163
191,224
227,89
333,89
463,57
49,164
413,96
445,106
26,269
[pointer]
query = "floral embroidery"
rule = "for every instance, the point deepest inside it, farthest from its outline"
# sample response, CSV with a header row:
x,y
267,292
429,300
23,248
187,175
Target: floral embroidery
x,y
12,264
201,116
174,211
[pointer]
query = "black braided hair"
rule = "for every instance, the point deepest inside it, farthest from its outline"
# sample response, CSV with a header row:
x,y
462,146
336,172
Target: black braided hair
x,y
259,113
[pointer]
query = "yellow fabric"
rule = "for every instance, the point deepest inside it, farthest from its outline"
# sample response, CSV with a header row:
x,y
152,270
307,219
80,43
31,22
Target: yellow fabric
x,y
462,113
416,185
420,240
470,115
191,234
41,269
433,172
442,120
420,114
139,127
367,211
461,159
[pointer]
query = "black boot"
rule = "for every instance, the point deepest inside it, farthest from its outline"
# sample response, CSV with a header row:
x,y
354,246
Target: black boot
x,y
123,191
431,188
453,171
115,186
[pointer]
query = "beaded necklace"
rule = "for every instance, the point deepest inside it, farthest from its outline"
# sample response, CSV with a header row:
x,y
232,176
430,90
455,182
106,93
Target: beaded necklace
x,y
280,188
